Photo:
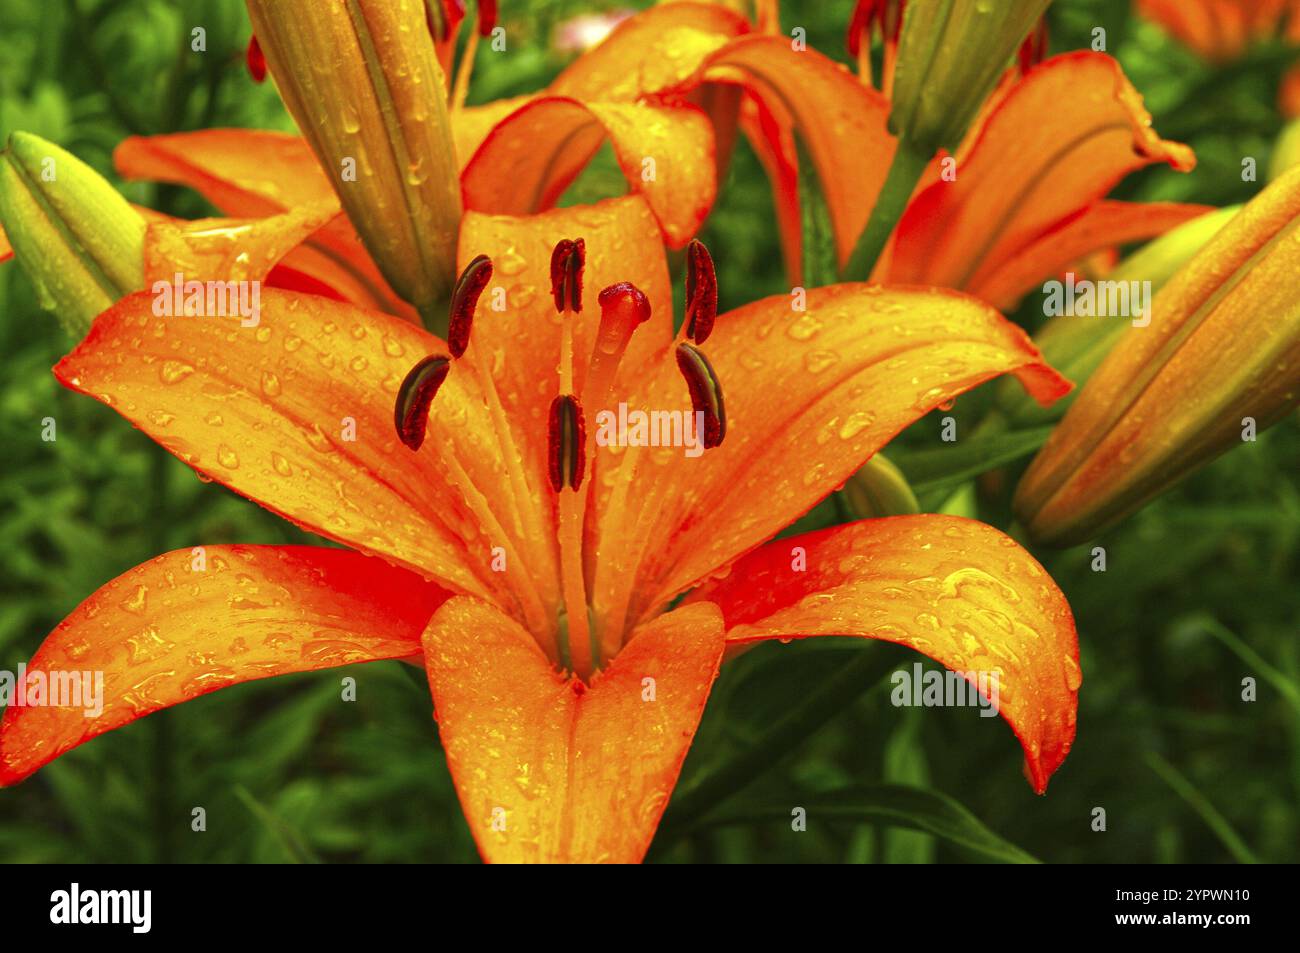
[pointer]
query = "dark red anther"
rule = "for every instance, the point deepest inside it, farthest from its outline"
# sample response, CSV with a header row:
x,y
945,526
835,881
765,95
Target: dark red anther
x,y
567,261
256,61
706,392
487,17
701,292
1034,50
415,396
566,443
464,299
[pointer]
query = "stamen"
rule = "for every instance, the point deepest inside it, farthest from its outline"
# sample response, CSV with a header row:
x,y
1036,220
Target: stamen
x,y
567,262
566,443
706,392
415,396
256,60
701,292
464,299
623,308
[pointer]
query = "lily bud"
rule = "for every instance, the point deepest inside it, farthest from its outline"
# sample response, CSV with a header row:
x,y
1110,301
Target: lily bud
x,y
950,56
879,489
1075,345
79,241
363,82
1219,361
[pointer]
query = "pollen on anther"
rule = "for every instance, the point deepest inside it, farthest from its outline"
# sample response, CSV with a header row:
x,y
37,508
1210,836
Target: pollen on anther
x,y
567,262
415,397
566,443
464,301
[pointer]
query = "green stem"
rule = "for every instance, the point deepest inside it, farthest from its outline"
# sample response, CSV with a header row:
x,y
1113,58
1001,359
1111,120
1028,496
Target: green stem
x,y
909,163
832,698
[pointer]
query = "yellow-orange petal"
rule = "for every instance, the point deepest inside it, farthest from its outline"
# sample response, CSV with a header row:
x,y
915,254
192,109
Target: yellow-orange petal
x,y
221,249
250,173
656,51
268,410
244,172
6,250
550,770
191,621
810,396
1101,225
1035,164
470,125
530,158
954,589
842,122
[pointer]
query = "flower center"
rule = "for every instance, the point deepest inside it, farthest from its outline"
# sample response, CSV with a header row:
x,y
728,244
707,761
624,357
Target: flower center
x,y
582,646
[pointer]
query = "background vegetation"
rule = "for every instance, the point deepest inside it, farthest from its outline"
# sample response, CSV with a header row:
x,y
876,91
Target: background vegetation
x,y
1201,588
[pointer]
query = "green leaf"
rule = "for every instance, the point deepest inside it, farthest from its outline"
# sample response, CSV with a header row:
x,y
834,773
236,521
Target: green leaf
x,y
819,261
945,467
894,805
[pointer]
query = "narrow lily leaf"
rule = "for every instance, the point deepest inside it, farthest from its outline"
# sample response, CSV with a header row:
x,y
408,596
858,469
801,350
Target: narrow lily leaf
x,y
945,467
293,843
819,260
894,805
1199,803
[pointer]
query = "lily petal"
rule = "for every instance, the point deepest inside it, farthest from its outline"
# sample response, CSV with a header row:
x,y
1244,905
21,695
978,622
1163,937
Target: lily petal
x,y
6,250
810,397
842,122
150,633
250,173
220,249
265,410
1101,225
1033,166
550,770
656,51
954,589
530,158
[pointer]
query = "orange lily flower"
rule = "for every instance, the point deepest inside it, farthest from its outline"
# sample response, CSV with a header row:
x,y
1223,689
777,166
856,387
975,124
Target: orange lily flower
x,y
1223,30
502,541
1027,196
1220,30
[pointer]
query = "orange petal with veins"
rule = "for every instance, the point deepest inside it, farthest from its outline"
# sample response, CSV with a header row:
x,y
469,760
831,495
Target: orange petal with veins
x,y
549,769
954,589
1034,166
150,633
530,158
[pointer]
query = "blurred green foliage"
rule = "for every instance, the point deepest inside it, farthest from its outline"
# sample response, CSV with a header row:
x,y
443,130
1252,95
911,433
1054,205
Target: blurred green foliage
x,y
1200,591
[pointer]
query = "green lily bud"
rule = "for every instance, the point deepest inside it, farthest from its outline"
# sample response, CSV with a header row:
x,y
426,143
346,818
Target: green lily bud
x,y
879,489
1219,361
950,56
363,81
78,240
1076,345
